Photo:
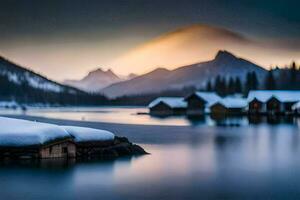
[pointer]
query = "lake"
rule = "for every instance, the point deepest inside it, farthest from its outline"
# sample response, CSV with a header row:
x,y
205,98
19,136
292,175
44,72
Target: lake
x,y
129,115
259,159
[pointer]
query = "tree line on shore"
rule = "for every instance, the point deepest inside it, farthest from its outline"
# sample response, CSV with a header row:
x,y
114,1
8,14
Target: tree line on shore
x,y
287,78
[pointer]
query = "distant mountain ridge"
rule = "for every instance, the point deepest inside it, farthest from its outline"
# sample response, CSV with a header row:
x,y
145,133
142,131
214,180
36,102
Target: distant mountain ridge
x,y
19,75
95,80
25,86
224,63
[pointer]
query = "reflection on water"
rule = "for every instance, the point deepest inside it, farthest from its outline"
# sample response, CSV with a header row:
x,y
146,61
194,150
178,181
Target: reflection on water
x,y
128,115
247,162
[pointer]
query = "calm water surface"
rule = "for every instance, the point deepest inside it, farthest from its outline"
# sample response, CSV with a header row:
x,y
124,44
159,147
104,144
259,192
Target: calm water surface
x,y
129,115
256,161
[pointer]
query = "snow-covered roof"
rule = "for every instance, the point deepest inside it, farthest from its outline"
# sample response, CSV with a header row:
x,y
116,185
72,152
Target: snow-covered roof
x,y
281,95
83,134
210,97
16,132
8,104
21,133
233,102
172,102
296,106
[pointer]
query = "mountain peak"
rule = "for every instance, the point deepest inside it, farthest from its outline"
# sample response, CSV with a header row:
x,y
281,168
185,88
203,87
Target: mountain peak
x,y
224,55
100,71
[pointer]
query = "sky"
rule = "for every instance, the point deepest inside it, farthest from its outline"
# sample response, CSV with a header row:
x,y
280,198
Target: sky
x,y
65,39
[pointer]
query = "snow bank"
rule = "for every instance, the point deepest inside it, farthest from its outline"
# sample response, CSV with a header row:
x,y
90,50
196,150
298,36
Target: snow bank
x,y
16,133
83,134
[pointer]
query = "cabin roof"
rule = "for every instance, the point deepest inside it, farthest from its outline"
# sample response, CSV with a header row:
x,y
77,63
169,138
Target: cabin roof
x,y
172,102
209,97
25,133
281,95
232,102
83,134
296,106
20,133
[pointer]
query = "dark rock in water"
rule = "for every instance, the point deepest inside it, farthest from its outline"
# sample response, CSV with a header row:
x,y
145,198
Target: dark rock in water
x,y
120,147
121,140
137,150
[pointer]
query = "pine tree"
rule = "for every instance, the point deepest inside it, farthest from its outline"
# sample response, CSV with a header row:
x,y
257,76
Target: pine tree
x,y
248,84
270,83
209,87
254,81
217,84
231,86
220,85
293,76
238,85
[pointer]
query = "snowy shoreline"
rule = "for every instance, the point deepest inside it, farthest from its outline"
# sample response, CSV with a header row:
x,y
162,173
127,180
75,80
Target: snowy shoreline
x,y
30,139
140,134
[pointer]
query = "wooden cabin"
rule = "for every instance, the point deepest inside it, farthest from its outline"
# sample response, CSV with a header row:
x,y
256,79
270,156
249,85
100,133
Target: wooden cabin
x,y
274,106
64,148
60,149
272,102
256,107
198,103
229,106
168,106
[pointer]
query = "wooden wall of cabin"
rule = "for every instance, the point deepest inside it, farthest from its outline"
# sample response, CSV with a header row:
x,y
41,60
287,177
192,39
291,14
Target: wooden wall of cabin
x,y
58,150
218,109
274,106
196,106
161,109
255,107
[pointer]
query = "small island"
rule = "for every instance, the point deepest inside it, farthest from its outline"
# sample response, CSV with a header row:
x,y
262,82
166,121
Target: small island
x,y
24,139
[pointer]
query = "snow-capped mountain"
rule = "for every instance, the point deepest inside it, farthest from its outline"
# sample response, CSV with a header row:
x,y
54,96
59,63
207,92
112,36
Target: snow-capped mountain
x,y
95,80
224,64
20,76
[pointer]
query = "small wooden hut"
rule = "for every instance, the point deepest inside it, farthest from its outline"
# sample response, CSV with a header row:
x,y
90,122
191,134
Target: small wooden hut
x,y
198,103
229,106
64,148
168,106
256,107
27,139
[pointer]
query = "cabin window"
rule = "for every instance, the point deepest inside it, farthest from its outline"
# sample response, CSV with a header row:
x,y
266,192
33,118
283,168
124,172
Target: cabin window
x,y
65,150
